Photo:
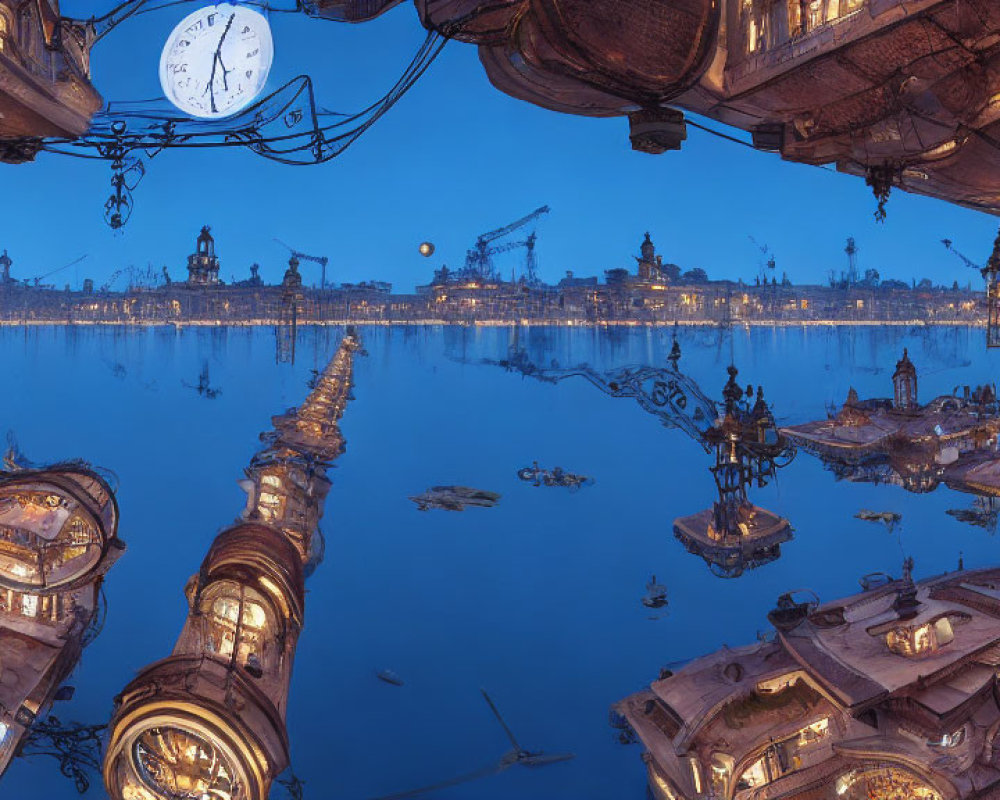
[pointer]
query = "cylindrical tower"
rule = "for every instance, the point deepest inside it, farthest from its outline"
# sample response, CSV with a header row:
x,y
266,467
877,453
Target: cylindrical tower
x,y
209,720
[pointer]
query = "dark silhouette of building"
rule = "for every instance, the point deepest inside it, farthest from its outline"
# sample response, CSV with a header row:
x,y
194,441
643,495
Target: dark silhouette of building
x,y
203,264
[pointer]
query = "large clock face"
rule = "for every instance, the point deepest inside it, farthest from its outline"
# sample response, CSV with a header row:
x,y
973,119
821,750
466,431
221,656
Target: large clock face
x,y
216,61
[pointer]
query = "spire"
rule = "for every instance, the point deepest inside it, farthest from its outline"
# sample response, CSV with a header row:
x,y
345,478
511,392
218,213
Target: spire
x,y
906,603
760,408
731,392
675,351
904,382
647,248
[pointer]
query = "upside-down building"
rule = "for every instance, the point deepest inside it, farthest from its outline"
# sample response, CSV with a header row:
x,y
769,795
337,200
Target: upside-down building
x,y
58,539
208,721
903,92
889,694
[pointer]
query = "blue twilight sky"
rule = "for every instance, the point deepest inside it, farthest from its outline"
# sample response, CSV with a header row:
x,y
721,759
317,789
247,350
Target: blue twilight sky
x,y
453,159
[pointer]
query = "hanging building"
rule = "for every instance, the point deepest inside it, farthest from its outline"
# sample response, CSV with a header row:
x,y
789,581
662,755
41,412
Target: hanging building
x,y
900,92
58,539
45,87
348,10
889,694
208,721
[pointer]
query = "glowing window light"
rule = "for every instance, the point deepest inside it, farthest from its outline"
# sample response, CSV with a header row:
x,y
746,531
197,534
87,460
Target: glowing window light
x,y
227,609
919,640
29,605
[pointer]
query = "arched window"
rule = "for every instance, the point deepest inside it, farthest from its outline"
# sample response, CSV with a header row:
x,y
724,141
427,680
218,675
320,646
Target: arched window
x,y
241,626
5,30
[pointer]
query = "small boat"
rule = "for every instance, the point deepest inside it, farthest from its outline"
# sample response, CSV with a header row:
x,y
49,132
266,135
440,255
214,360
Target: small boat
x,y
656,594
388,676
556,476
889,518
454,498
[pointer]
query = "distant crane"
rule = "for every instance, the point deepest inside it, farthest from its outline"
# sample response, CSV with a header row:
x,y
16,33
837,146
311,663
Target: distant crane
x,y
321,260
148,278
478,261
991,274
41,278
851,278
770,264
531,262
965,259
110,282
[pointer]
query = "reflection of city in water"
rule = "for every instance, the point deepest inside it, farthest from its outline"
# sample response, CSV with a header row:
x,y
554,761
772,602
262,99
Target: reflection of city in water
x,y
733,534
950,440
548,581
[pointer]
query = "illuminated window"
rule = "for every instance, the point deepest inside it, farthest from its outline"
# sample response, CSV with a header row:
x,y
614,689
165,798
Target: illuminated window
x,y
783,757
239,626
696,774
720,773
814,733
795,16
949,740
913,641
814,14
29,605
756,775
269,505
883,783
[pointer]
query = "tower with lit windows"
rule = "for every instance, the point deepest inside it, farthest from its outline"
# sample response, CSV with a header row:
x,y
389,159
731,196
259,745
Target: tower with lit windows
x,y
58,539
203,264
650,265
209,720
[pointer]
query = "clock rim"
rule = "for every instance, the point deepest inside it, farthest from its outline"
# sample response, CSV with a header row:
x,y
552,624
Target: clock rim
x,y
267,43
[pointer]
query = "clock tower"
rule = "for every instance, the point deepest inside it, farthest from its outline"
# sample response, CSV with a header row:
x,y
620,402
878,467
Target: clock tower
x,y
203,264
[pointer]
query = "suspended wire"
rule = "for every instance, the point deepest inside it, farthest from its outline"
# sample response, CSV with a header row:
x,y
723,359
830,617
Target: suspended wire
x,y
720,134
173,131
287,126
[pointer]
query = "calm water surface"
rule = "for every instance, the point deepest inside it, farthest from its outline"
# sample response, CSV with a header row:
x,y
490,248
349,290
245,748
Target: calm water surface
x,y
537,599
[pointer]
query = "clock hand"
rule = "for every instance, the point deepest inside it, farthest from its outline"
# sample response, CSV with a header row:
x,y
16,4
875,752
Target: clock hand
x,y
218,52
216,60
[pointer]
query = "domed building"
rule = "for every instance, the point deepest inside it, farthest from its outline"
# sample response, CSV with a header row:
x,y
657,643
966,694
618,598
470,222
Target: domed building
x,y
58,539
